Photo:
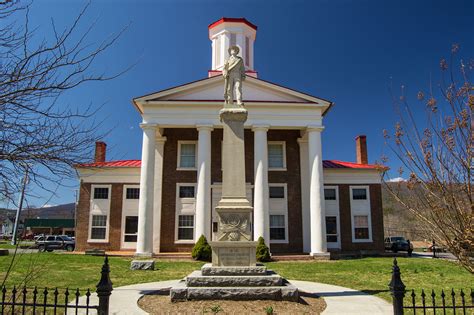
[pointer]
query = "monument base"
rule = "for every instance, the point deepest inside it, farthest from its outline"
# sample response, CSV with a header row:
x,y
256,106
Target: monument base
x,y
234,283
233,254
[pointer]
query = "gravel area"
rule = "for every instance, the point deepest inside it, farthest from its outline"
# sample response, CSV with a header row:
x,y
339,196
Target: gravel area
x,y
161,304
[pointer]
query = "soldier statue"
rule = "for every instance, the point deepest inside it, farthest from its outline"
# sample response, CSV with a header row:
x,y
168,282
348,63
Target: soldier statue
x,y
234,74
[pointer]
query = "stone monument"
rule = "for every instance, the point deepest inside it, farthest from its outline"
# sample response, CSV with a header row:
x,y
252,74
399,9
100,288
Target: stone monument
x,y
234,246
234,273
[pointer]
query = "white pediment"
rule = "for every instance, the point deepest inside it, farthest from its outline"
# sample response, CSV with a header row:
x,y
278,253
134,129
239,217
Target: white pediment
x,y
211,89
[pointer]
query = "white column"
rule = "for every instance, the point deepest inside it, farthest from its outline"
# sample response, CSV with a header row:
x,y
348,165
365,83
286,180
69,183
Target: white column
x,y
261,224
145,205
159,151
203,195
304,175
316,188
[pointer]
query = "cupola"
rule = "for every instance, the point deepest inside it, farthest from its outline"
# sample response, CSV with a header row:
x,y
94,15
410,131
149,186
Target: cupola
x,y
228,32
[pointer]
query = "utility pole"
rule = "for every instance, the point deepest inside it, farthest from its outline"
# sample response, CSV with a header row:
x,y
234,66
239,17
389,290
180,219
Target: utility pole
x,y
20,206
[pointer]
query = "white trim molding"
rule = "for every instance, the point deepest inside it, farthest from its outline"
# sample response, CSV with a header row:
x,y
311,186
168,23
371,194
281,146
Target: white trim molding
x,y
283,211
189,210
283,144
361,208
99,207
178,166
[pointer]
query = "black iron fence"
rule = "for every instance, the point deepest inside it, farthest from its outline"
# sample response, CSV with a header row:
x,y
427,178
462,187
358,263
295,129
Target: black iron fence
x,y
453,302
48,301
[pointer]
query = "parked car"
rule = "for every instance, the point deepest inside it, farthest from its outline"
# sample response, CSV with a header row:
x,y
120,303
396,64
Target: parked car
x,y
53,242
398,243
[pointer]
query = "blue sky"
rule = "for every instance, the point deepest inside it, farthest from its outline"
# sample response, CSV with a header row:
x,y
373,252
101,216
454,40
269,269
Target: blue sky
x,y
349,52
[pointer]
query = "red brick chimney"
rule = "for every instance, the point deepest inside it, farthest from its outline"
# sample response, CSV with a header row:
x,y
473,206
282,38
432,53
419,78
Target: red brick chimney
x,y
361,149
100,150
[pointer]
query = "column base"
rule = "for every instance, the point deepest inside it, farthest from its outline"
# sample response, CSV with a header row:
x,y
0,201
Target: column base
x,y
143,255
321,256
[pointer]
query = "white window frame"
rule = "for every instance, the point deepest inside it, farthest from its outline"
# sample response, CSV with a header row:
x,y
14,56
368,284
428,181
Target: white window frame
x,y
126,212
337,215
178,212
285,212
283,143
178,166
359,212
94,211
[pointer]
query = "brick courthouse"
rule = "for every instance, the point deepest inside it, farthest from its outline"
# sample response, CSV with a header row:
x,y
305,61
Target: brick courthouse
x,y
166,200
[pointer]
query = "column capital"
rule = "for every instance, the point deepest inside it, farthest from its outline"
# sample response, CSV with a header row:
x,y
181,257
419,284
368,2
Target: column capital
x,y
160,139
260,128
204,127
145,126
314,128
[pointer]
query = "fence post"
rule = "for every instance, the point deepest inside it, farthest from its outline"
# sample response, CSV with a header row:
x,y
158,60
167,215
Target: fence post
x,y
104,288
397,289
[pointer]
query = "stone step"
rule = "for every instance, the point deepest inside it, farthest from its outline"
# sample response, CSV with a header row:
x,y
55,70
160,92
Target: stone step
x,y
286,292
196,279
258,270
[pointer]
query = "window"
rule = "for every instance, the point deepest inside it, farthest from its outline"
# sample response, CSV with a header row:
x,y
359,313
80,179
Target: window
x,y
276,155
98,227
233,39
51,238
277,192
185,227
218,51
331,229
359,194
361,227
131,229
187,155
247,51
101,193
133,193
329,194
186,191
277,227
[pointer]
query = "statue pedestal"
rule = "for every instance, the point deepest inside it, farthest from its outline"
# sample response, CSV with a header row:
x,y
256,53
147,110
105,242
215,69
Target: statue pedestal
x,y
233,254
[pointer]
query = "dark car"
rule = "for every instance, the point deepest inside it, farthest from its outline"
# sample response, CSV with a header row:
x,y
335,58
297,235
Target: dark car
x,y
398,243
54,242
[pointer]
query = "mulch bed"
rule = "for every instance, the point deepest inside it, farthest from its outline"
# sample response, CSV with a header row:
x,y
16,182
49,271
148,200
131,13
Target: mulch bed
x,y
161,304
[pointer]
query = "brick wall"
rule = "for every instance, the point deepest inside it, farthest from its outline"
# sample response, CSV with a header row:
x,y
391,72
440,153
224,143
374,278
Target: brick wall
x,y
376,216
171,176
115,218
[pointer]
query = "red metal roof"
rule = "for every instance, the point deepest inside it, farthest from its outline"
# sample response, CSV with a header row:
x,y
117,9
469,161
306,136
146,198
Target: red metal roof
x,y
120,163
235,20
137,163
342,164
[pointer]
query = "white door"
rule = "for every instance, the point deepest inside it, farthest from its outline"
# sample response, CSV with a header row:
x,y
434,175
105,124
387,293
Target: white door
x,y
216,197
333,234
130,216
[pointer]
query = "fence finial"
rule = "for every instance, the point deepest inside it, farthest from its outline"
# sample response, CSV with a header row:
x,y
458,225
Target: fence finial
x,y
397,289
104,288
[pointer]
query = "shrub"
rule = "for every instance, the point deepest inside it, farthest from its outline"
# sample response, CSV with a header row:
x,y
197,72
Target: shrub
x,y
263,252
202,250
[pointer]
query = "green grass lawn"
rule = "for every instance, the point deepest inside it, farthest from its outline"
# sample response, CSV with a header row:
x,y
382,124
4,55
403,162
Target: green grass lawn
x,y
369,274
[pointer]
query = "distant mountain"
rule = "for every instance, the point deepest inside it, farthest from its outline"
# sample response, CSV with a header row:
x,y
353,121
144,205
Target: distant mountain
x,y
65,211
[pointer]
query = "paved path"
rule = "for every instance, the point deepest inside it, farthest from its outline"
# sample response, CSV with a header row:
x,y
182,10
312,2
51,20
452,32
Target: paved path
x,y
339,300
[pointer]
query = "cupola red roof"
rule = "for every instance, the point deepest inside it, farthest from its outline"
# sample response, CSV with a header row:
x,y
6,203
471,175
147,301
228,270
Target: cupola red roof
x,y
235,20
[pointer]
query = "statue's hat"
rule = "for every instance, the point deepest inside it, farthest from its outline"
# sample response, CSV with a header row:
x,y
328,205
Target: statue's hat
x,y
236,48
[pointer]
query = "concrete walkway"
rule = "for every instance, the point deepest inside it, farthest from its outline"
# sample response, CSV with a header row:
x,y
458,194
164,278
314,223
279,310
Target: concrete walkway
x,y
339,300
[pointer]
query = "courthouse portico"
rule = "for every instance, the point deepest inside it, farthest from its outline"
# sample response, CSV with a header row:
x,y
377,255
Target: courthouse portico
x,y
167,200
